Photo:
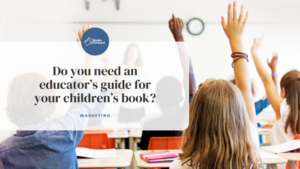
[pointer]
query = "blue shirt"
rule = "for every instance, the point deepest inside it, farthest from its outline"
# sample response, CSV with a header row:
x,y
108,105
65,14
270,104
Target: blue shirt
x,y
261,105
46,148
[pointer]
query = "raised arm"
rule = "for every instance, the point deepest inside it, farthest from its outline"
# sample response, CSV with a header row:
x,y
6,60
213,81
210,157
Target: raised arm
x,y
176,26
271,90
90,61
273,67
234,29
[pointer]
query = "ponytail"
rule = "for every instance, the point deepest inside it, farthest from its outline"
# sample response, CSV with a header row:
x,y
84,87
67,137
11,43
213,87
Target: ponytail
x,y
293,100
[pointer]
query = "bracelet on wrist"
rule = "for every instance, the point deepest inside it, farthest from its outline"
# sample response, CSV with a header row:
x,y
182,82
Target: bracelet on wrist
x,y
274,75
238,55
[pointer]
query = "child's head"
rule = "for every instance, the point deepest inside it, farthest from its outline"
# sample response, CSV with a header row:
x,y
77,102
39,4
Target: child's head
x,y
252,86
21,99
218,135
290,89
168,93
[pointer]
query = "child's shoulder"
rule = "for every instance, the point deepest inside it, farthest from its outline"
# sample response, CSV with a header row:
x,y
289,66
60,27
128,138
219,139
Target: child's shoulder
x,y
177,164
30,138
284,107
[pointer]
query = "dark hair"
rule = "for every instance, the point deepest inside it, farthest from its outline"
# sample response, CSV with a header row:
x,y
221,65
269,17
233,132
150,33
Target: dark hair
x,y
252,86
168,91
139,62
21,99
291,83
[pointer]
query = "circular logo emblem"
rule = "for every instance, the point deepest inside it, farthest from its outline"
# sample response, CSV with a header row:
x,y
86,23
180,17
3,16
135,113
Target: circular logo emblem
x,y
95,41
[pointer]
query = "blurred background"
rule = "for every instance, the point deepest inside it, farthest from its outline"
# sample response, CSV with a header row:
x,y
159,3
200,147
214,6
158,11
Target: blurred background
x,y
147,20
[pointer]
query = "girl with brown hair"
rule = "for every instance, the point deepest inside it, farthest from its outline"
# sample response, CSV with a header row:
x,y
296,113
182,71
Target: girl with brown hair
x,y
221,132
286,105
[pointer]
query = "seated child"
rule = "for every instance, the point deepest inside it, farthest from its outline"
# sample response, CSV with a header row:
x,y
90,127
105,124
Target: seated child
x,y
169,97
222,130
43,148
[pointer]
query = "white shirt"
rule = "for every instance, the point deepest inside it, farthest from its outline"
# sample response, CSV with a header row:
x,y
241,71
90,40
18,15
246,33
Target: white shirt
x,y
177,164
278,134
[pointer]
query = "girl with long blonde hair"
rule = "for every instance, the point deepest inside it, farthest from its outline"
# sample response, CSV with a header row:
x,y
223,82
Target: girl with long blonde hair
x,y
221,132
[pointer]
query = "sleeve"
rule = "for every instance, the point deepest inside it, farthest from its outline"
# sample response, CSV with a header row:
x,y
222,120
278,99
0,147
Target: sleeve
x,y
97,122
261,105
75,120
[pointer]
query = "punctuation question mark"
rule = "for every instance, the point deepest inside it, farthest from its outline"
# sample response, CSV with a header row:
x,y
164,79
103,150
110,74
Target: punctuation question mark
x,y
153,96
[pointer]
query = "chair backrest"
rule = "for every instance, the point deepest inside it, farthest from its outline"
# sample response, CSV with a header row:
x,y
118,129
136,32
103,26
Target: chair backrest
x,y
95,141
165,143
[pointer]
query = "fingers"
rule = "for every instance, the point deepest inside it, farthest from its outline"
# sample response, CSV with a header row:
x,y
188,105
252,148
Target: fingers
x,y
173,18
223,22
80,33
77,39
229,12
241,14
234,11
89,26
177,22
181,22
246,17
84,28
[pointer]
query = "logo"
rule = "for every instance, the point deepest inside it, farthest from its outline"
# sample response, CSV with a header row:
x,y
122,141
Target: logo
x,y
95,41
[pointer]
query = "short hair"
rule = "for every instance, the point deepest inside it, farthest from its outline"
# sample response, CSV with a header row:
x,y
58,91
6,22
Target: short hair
x,y
21,108
168,91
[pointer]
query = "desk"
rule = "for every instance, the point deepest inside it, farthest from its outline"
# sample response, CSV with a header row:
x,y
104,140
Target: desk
x,y
291,157
120,136
264,131
271,162
134,138
267,115
122,160
271,159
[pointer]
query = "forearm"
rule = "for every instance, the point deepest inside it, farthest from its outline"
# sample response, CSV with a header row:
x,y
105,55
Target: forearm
x,y
274,77
90,64
241,70
261,69
243,80
192,81
185,64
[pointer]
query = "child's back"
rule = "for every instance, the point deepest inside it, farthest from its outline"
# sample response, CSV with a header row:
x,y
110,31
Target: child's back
x,y
40,149
37,143
288,124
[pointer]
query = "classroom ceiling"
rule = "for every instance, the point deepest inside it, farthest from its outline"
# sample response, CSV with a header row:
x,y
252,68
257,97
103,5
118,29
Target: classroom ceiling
x,y
149,11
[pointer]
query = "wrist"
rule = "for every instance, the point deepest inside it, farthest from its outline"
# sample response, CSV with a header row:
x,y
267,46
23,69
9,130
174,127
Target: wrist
x,y
274,71
178,38
236,45
254,51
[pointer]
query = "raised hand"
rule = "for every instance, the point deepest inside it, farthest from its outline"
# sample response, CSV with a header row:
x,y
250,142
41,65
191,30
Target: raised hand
x,y
234,27
82,31
273,63
176,26
257,43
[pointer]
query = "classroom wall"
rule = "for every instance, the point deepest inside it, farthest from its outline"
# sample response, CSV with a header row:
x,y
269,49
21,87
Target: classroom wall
x,y
59,20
